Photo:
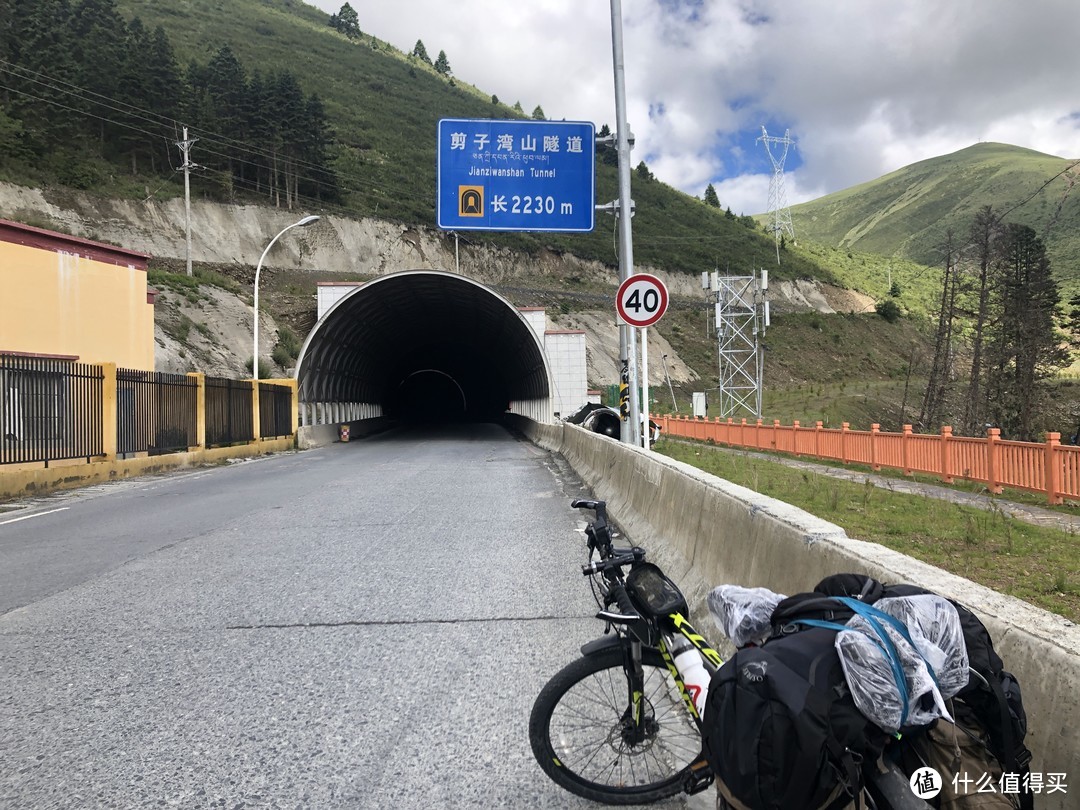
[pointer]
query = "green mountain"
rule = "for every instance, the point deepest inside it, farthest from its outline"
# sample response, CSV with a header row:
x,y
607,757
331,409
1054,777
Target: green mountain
x,y
383,106
908,212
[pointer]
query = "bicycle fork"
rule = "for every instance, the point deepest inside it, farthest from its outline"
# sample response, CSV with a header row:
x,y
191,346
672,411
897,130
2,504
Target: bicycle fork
x,y
636,722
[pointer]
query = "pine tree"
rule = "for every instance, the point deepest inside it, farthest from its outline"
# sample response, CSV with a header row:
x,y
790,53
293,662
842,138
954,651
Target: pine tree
x,y
420,52
710,196
320,183
99,39
347,22
288,106
518,109
982,236
442,64
938,384
163,86
1025,349
538,114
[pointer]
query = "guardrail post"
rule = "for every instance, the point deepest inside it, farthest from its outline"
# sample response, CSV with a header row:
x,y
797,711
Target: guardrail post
x,y
904,439
110,439
795,437
875,429
1052,474
776,434
993,436
742,434
946,459
844,428
757,435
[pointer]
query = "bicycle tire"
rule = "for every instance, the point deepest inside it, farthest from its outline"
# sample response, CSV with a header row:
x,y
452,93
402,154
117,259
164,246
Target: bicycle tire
x,y
576,726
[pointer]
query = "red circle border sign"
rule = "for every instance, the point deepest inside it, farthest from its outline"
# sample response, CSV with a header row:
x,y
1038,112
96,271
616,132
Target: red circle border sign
x,y
634,301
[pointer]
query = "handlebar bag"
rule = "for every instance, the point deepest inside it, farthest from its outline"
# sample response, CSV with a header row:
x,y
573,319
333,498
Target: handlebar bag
x,y
652,593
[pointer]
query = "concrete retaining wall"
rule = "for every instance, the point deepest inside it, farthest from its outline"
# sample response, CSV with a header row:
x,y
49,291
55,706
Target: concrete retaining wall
x,y
706,531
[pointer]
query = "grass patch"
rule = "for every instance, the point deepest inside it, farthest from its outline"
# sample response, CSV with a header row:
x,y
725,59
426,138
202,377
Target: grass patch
x,y
1037,564
205,275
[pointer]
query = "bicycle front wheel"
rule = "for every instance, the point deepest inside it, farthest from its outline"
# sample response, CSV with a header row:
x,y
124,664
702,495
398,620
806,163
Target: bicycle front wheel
x,y
582,736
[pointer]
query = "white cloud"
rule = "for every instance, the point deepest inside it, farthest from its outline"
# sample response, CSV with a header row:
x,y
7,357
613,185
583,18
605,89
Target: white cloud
x,y
865,88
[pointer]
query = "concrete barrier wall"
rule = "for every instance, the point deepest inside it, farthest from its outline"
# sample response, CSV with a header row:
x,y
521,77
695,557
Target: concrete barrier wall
x,y
706,531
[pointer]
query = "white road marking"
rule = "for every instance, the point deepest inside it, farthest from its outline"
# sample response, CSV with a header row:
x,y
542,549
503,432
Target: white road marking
x,y
28,517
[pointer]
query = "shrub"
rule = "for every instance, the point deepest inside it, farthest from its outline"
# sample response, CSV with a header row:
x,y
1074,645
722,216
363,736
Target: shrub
x,y
889,310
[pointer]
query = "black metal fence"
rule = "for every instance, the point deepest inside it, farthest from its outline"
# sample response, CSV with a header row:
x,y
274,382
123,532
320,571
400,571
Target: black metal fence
x,y
156,413
53,409
275,411
229,416
50,409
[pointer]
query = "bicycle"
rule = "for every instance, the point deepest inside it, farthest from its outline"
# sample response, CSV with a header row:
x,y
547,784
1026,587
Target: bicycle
x,y
619,725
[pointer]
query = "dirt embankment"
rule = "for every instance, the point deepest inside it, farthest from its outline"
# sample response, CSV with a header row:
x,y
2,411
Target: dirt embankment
x,y
210,329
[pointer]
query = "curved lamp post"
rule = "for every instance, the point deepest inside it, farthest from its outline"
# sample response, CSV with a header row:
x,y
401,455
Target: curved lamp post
x,y
255,354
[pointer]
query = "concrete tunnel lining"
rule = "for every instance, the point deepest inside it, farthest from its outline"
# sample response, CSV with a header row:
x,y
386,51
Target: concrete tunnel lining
x,y
424,344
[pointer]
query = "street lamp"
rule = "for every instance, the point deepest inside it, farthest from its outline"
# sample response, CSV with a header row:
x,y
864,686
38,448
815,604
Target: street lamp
x,y
255,354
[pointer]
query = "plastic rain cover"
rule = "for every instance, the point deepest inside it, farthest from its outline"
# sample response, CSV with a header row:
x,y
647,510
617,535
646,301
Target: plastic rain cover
x,y
934,627
743,614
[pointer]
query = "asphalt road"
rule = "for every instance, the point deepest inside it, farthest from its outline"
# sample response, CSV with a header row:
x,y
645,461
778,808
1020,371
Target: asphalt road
x,y
362,625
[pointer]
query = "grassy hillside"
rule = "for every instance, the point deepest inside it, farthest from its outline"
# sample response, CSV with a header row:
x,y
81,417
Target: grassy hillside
x,y
906,213
384,107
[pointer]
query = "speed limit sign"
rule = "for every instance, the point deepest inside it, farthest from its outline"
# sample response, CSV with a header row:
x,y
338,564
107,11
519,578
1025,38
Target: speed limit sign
x,y
642,300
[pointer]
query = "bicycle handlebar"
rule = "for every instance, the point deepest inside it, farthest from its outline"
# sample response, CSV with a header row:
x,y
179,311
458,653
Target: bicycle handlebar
x,y
622,599
620,559
600,507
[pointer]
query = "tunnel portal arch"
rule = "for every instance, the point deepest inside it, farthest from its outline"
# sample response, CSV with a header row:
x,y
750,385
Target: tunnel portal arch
x,y
423,345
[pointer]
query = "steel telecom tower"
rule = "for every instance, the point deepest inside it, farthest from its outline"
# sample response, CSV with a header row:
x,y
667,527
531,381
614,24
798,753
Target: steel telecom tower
x,y
779,213
742,315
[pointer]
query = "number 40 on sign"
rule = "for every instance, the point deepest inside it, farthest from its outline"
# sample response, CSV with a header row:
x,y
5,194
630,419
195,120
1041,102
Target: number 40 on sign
x,y
642,300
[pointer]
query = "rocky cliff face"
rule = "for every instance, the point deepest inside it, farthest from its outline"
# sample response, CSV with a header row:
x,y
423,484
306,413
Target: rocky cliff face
x,y
236,235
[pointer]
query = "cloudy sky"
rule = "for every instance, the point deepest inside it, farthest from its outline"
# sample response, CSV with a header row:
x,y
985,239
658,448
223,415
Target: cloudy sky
x,y
864,86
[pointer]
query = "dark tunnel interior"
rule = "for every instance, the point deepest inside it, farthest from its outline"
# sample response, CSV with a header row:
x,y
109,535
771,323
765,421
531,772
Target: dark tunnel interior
x,y
426,346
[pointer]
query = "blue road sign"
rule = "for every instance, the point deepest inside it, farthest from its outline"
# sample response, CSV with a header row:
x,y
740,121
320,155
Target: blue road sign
x,y
516,175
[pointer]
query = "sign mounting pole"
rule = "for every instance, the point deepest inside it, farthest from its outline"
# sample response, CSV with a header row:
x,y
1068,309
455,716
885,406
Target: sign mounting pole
x,y
645,386
631,428
640,302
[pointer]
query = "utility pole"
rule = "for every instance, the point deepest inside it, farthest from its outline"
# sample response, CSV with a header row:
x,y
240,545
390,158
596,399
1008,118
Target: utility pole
x,y
624,209
185,147
671,390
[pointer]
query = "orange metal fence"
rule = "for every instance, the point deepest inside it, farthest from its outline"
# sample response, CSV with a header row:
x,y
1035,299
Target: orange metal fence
x,y
1048,467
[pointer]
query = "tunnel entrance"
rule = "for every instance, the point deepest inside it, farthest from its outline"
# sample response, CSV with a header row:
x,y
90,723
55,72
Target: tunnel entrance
x,y
425,346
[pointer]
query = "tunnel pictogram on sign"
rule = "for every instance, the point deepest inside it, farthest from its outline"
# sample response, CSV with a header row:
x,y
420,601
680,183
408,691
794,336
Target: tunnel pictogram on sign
x,y
470,201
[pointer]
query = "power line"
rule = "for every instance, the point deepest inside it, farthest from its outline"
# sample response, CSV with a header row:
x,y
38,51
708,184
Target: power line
x,y
358,187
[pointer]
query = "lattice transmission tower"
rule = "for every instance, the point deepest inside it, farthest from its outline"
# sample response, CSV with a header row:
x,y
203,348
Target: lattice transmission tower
x,y
779,213
742,316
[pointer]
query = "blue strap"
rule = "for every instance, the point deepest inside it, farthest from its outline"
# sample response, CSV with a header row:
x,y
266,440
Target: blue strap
x,y
886,646
820,623
872,615
868,611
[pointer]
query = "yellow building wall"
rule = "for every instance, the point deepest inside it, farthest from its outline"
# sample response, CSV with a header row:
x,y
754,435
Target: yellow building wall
x,y
60,303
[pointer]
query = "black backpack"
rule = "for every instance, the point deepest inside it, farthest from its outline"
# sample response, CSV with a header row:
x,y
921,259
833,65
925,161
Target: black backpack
x,y
992,696
781,729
